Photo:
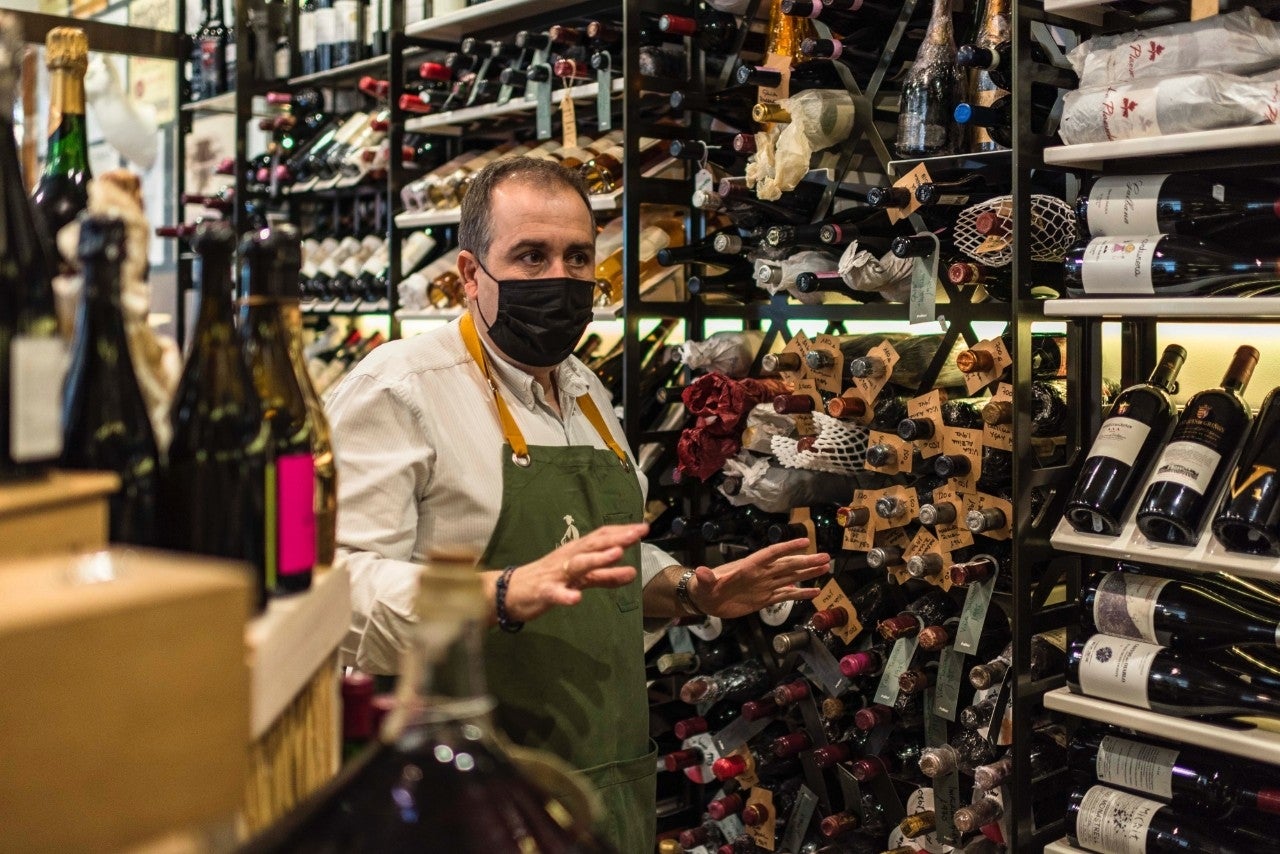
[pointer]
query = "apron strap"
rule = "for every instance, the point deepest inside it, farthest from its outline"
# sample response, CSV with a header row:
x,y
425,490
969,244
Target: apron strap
x,y
510,431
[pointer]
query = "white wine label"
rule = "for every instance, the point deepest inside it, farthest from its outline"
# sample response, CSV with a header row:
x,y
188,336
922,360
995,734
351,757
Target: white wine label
x,y
1119,265
1133,765
776,615
1112,822
1125,204
326,26
1120,439
1125,606
37,367
708,630
307,32
1116,669
348,20
1189,464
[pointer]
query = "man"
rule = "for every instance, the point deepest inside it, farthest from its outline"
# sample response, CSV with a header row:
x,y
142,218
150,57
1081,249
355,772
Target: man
x,y
486,433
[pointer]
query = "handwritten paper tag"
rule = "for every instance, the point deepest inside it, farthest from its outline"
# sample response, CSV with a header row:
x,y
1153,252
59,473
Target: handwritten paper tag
x,y
985,501
978,379
911,180
862,538
832,596
966,441
900,462
928,406
568,122
999,436
763,834
829,378
870,387
774,94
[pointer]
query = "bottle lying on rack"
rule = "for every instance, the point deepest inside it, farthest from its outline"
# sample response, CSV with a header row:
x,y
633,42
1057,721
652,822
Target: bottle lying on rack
x,y
1110,821
1249,519
1167,265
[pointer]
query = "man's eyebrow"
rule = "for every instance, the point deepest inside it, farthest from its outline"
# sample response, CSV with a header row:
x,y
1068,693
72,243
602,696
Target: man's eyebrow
x,y
528,243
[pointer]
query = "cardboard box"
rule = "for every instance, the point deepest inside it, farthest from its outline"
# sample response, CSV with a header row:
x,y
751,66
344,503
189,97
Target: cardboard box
x,y
64,513
124,709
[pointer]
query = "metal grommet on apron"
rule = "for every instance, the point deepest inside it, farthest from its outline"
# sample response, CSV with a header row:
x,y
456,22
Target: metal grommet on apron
x,y
573,681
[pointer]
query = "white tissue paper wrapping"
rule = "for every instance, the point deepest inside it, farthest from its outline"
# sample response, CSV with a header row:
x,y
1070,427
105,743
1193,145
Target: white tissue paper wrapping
x,y
889,276
776,490
763,423
1241,42
820,118
808,261
730,353
1178,104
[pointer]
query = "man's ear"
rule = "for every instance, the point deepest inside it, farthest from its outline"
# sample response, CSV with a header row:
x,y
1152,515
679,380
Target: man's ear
x,y
468,268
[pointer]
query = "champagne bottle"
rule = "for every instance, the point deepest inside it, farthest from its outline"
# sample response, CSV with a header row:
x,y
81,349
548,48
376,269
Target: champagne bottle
x,y
63,190
1175,613
1138,424
31,351
1110,821
269,268
211,486
1168,265
325,495
106,425
1196,781
736,682
1168,681
930,93
1248,518
994,30
1175,505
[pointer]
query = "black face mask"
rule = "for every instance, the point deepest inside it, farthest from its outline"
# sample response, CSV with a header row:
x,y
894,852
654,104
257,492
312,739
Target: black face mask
x,y
540,321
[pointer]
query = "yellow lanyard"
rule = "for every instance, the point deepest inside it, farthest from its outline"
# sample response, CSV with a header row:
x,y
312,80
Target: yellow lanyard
x,y
509,429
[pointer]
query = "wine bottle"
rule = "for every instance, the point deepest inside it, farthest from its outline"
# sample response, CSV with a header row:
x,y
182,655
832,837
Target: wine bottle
x,y
931,609
106,425
994,30
270,260
915,355
712,30
1196,781
347,17
445,711
930,93
212,483
307,36
326,18
1163,264
31,351
1221,209
1248,519
1138,423
63,190
1168,681
213,40
736,682
1110,821
1194,464
325,494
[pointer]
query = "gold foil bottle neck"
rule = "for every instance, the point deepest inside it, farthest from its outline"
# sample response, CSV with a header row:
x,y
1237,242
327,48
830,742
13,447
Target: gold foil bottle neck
x,y
66,47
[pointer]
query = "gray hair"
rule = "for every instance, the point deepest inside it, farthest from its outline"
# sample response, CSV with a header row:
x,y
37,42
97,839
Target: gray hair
x,y
475,227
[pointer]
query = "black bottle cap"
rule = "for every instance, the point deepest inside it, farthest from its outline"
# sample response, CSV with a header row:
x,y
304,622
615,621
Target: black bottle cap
x,y
270,259
214,237
101,238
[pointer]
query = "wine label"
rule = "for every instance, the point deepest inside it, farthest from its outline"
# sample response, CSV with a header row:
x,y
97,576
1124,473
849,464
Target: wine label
x,y
326,21
37,368
347,15
1116,669
1119,265
295,505
1120,439
708,630
776,615
307,32
1189,464
1133,765
1112,822
1125,204
1125,606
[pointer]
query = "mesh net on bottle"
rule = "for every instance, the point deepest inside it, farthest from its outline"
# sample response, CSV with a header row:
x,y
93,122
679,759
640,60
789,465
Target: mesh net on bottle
x,y
839,448
1053,230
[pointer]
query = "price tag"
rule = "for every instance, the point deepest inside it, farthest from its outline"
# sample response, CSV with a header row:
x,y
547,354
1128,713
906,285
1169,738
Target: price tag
x,y
966,441
973,614
922,543
985,501
870,387
832,596
738,733
748,777
731,826
829,379
543,109
946,692
946,788
911,180
763,834
805,425
999,436
900,463
907,495
952,536
852,792
928,406
704,180
821,667
978,379
800,345
568,120
681,640
604,94
702,773
800,516
798,821
904,649
774,94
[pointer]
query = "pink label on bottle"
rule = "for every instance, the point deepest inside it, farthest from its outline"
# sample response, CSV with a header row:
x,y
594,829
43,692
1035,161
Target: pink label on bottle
x,y
296,484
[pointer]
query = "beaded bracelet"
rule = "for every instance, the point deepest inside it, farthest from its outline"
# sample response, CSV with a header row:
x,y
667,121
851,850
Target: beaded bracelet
x,y
500,600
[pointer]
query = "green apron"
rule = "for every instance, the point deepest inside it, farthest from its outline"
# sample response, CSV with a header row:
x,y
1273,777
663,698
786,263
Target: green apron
x,y
572,682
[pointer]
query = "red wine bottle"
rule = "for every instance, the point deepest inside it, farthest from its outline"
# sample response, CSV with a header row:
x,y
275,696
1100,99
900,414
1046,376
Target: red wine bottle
x,y
1198,782
1194,463
1169,681
1160,264
1138,424
1109,821
1249,518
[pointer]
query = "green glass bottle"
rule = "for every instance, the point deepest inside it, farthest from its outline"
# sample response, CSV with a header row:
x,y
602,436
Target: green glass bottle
x,y
63,190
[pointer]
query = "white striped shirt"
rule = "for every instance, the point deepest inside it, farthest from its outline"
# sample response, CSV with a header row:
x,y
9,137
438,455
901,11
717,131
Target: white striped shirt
x,y
419,452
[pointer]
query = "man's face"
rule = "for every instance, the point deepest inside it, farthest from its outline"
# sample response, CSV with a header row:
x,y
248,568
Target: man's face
x,y
538,232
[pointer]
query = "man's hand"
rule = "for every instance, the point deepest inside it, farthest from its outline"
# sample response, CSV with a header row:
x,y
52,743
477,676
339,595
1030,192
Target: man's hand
x,y
763,578
561,576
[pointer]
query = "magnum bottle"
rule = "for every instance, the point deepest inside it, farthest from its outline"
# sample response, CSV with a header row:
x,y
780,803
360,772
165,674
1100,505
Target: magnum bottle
x,y
270,259
930,93
212,484
106,426
1194,463
63,190
1114,822
1161,265
1138,423
1249,519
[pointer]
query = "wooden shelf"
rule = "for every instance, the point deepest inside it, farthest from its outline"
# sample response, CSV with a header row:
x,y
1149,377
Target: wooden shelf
x,y
1092,154
513,107
1167,308
1249,742
492,13
1085,11
64,512
289,642
1062,846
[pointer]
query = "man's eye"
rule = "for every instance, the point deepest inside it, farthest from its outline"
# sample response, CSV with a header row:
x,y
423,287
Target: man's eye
x,y
579,260
531,258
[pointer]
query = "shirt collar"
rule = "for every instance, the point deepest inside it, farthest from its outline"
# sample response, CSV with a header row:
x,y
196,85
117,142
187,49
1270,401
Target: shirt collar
x,y
569,377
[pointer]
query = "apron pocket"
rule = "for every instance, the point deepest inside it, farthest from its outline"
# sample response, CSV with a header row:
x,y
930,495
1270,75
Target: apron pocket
x,y
628,794
627,598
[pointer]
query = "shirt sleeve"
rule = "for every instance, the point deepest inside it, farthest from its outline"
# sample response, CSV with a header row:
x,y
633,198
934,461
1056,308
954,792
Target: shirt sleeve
x,y
385,460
